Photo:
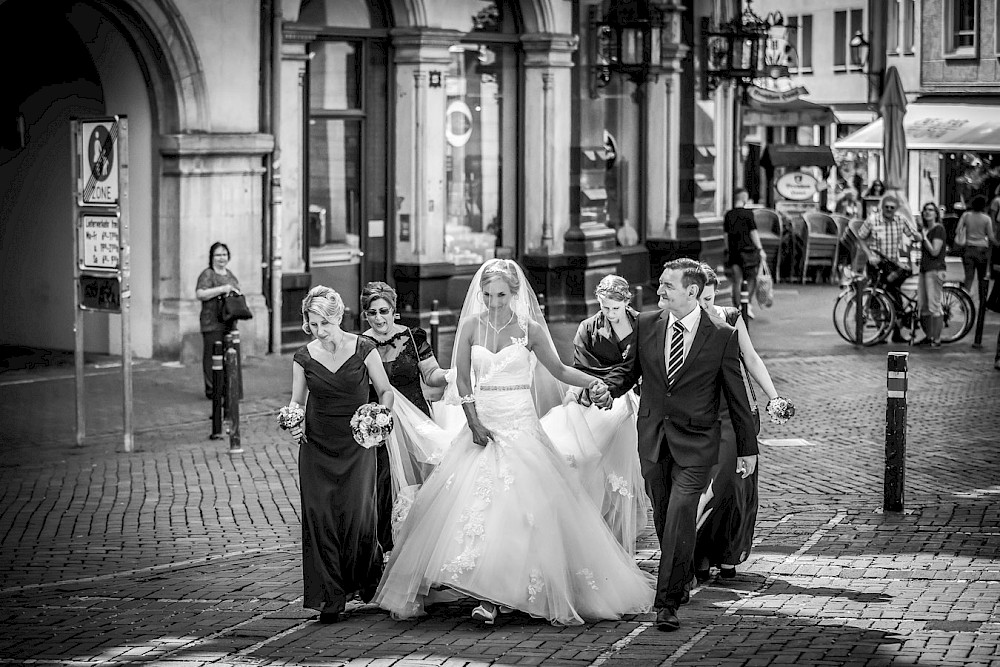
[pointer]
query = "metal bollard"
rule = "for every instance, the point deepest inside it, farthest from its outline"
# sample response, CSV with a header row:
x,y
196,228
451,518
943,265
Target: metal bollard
x,y
239,362
638,297
435,326
895,433
984,284
745,304
226,345
541,302
231,362
218,391
859,312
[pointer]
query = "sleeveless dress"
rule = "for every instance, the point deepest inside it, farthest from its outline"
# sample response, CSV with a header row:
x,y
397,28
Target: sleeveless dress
x,y
340,553
728,510
510,523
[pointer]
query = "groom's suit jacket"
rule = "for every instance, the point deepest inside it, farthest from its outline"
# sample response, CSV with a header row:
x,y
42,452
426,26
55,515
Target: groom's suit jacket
x,y
683,417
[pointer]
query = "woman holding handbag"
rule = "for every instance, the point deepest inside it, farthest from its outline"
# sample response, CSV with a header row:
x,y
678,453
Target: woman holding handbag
x,y
214,284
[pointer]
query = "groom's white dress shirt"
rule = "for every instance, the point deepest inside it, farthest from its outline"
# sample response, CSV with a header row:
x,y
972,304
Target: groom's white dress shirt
x,y
690,323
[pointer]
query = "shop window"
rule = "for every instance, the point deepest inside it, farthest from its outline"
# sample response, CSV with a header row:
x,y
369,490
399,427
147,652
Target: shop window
x,y
480,130
960,28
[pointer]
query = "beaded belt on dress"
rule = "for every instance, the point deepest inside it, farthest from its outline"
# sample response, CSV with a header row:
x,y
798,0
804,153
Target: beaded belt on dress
x,y
503,387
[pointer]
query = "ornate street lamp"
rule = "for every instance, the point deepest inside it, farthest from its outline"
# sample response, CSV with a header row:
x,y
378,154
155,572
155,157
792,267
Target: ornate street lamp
x,y
860,58
734,50
628,41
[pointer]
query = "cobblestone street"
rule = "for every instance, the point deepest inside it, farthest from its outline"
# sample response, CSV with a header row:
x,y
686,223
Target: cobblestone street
x,y
182,554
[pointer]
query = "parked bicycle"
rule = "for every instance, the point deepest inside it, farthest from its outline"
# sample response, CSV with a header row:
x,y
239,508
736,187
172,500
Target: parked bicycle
x,y
886,307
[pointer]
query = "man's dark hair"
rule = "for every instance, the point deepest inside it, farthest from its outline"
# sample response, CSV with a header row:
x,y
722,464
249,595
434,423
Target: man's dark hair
x,y
691,273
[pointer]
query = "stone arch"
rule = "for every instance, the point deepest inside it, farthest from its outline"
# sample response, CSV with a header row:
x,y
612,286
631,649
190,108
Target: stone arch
x,y
173,68
538,15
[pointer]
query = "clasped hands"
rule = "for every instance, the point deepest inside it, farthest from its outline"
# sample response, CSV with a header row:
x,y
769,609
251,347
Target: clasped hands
x,y
597,393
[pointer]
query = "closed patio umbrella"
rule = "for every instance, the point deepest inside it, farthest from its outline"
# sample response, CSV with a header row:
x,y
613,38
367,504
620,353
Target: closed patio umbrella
x,y
892,108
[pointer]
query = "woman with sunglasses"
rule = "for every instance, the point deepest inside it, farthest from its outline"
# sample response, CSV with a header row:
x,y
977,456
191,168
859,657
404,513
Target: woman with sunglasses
x,y
408,358
932,273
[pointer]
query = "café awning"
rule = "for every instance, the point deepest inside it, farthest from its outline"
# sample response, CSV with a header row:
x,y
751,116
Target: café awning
x,y
936,127
791,155
795,113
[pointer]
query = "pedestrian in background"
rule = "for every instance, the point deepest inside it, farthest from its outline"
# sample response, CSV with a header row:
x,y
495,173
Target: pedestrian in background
x,y
932,274
214,283
337,476
975,232
744,250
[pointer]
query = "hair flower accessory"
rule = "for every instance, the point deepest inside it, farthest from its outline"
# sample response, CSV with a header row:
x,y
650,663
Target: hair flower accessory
x,y
780,410
371,425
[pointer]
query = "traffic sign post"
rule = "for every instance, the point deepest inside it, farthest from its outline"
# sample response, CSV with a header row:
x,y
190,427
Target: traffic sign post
x,y
101,246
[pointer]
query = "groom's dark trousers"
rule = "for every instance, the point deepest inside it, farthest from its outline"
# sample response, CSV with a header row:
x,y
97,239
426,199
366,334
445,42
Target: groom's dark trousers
x,y
679,431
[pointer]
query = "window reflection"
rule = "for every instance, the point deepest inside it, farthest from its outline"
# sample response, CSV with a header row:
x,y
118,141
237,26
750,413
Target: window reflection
x,y
334,80
474,133
334,182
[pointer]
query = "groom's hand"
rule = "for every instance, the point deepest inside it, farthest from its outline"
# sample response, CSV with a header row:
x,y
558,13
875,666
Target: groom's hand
x,y
745,465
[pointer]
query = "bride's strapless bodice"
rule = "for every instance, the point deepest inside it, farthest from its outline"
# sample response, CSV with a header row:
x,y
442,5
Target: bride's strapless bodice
x,y
503,385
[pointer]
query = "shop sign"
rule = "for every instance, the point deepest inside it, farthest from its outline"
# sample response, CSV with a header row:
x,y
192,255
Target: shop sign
x,y
770,96
796,186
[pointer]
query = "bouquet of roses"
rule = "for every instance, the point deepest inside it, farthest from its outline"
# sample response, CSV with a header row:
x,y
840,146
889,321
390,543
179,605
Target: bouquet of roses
x,y
371,425
780,410
290,418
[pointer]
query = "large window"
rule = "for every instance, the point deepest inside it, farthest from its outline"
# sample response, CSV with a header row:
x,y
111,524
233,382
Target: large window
x,y
800,34
846,24
960,28
481,136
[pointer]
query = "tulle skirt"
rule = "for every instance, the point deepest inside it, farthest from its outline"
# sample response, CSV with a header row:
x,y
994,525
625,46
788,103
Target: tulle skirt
x,y
511,523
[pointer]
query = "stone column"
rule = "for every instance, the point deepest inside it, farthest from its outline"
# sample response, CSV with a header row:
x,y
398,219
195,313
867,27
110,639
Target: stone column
x,y
421,272
211,191
569,247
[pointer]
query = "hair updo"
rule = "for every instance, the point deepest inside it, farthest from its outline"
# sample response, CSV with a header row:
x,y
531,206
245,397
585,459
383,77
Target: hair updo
x,y
500,268
711,277
614,287
323,302
376,290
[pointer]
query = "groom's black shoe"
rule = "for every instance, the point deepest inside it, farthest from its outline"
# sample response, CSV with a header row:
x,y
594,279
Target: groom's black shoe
x,y
666,619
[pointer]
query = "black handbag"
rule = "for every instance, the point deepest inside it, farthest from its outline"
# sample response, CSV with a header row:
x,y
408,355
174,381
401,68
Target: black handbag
x,y
234,307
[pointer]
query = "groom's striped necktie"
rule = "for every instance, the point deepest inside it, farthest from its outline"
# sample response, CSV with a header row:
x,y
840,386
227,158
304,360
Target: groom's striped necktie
x,y
676,359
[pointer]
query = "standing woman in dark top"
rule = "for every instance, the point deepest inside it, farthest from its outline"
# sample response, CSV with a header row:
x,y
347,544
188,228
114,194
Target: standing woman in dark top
x,y
932,274
602,340
407,358
744,251
214,283
337,476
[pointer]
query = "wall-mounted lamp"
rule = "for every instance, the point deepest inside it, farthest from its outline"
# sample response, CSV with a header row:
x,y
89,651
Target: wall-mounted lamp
x,y
627,41
860,58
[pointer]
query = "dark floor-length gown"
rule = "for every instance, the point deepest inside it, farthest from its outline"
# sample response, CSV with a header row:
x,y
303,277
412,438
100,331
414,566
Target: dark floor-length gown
x,y
337,480
726,535
408,348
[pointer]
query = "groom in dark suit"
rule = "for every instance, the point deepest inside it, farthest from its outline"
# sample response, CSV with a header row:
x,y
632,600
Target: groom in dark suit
x,y
686,361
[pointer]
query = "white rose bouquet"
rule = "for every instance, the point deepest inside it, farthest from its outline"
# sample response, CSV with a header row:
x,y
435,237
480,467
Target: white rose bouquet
x,y
371,425
780,410
290,418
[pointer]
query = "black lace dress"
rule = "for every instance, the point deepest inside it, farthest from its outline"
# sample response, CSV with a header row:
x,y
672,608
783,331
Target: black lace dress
x,y
401,355
337,477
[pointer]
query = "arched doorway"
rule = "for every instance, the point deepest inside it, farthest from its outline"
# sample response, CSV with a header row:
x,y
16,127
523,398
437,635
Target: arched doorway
x,y
96,74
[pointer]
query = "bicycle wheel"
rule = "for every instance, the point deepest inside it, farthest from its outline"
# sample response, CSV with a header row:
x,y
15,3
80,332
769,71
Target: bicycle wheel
x,y
878,313
959,313
839,306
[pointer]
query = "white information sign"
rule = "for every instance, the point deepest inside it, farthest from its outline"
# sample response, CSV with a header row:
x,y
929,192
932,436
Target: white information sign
x,y
99,242
99,164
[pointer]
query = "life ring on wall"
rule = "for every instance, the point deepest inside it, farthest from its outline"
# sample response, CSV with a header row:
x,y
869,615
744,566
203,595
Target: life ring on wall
x,y
462,109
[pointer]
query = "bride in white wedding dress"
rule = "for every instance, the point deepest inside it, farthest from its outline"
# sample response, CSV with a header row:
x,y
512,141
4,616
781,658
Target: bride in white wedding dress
x,y
503,518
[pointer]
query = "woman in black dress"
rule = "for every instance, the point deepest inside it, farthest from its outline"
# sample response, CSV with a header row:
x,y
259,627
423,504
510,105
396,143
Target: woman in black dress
x,y
602,340
408,359
337,476
726,522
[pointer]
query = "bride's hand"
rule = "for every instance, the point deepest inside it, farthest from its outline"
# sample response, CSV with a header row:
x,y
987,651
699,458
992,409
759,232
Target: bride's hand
x,y
480,434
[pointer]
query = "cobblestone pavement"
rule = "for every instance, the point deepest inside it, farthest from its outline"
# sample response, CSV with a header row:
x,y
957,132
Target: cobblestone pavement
x,y
184,554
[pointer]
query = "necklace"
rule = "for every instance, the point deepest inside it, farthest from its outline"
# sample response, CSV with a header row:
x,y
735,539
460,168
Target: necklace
x,y
495,329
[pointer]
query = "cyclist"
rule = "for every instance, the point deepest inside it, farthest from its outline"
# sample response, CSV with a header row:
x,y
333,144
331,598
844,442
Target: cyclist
x,y
890,233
